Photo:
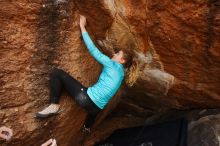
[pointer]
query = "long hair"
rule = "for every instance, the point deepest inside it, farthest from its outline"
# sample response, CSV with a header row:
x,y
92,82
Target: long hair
x,y
131,65
131,68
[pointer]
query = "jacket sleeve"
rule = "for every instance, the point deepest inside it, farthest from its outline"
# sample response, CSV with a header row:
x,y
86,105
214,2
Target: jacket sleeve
x,y
99,56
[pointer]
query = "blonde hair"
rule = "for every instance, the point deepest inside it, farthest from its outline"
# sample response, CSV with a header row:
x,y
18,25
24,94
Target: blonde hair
x,y
131,69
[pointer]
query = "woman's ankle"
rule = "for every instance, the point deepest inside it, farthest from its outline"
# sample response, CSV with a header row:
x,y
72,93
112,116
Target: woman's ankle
x,y
55,105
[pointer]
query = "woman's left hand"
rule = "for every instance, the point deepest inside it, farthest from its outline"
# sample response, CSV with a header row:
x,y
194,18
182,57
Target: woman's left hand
x,y
82,21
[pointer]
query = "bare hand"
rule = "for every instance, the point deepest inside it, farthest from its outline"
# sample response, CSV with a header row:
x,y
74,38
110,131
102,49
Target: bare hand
x,y
82,21
50,142
5,133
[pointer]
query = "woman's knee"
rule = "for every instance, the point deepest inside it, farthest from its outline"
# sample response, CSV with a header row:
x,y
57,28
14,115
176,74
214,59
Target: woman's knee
x,y
56,72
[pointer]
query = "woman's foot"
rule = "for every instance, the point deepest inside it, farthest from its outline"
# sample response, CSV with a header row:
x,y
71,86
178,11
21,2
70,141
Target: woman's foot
x,y
52,109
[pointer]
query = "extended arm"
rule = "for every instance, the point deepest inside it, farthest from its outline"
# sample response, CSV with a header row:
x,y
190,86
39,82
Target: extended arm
x,y
99,56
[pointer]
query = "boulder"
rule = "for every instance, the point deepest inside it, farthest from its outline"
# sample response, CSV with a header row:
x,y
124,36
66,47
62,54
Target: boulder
x,y
174,44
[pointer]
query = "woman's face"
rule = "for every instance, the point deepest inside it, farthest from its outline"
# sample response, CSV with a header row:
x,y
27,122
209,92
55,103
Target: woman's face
x,y
118,57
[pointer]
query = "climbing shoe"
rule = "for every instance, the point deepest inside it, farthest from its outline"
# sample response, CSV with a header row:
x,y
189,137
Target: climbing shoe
x,y
52,109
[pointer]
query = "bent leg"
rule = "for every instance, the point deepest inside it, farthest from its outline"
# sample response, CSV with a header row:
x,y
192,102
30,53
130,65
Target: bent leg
x,y
55,86
59,79
91,115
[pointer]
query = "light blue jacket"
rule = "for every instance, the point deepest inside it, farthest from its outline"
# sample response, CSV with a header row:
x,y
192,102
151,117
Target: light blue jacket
x,y
110,79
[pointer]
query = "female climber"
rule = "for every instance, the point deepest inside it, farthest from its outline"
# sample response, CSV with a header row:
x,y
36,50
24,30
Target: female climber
x,y
93,99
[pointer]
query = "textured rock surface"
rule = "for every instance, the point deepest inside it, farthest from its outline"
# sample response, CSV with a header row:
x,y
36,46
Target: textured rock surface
x,y
175,43
207,131
203,125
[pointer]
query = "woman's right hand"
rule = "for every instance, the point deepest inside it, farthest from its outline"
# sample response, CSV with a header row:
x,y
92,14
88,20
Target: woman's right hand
x,y
50,142
82,21
5,133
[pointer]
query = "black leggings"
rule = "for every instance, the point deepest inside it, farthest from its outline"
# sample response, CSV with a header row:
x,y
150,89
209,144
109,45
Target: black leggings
x,y
59,79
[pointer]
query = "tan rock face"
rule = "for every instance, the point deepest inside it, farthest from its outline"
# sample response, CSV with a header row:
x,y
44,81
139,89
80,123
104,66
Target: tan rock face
x,y
175,44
